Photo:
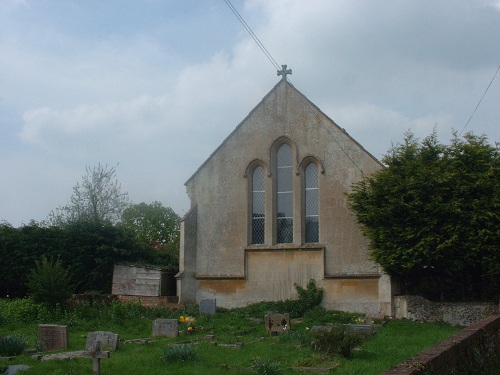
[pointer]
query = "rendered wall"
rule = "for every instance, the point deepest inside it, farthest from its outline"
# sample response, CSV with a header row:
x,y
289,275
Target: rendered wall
x,y
236,273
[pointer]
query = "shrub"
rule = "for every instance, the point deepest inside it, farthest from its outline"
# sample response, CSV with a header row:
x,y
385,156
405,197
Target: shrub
x,y
295,337
49,283
267,367
336,342
12,345
308,298
180,353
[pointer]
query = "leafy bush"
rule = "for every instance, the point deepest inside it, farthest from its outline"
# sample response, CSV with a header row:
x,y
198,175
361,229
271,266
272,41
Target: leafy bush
x,y
318,316
12,345
49,283
180,353
336,342
295,337
267,367
308,298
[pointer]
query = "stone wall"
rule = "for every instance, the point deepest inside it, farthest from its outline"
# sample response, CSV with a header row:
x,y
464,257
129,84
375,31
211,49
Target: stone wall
x,y
462,314
474,350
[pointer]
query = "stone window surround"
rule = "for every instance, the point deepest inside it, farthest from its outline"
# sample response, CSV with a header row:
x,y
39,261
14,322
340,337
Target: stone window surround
x,y
270,193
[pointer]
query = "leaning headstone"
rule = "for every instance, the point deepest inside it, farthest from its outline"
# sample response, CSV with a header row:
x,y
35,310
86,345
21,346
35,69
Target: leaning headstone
x,y
108,340
165,327
53,337
207,306
276,324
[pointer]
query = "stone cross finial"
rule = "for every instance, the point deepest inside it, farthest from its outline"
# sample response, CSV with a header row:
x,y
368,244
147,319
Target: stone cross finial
x,y
284,71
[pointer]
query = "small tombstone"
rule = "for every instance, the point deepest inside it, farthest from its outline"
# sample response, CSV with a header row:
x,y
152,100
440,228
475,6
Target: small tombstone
x,y
108,340
53,337
165,327
276,324
96,354
207,306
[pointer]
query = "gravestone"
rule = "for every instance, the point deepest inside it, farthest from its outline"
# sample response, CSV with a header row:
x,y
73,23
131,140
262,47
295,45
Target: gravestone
x,y
108,340
207,306
165,327
276,324
53,337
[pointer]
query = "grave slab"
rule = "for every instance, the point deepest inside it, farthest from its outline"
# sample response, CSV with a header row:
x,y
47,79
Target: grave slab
x,y
53,336
108,340
165,327
276,324
207,306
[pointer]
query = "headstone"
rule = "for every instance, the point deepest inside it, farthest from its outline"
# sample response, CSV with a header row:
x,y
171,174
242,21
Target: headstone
x,y
165,327
53,337
207,306
276,324
14,369
108,340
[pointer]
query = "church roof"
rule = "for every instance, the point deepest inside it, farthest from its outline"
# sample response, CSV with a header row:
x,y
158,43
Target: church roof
x,y
307,101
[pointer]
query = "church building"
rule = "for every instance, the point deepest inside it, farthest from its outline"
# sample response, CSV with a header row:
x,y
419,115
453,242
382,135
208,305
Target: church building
x,y
269,210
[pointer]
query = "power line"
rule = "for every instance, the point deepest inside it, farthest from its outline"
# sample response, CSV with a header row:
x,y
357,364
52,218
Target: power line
x,y
252,34
480,100
275,64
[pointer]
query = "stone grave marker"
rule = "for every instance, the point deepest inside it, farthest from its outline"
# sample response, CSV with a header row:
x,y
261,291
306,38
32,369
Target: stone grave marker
x,y
207,306
96,354
53,336
165,327
108,340
276,324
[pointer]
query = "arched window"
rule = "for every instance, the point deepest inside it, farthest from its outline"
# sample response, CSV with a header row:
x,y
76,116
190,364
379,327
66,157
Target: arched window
x,y
258,206
311,204
284,194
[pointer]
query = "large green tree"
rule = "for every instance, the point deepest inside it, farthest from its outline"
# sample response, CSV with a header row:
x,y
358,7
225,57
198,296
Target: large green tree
x,y
433,216
97,198
158,227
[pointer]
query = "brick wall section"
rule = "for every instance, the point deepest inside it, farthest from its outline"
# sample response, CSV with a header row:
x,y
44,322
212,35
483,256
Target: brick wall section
x,y
460,313
474,350
148,301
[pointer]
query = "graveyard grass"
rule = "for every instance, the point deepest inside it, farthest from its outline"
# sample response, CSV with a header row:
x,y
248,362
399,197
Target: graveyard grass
x,y
393,342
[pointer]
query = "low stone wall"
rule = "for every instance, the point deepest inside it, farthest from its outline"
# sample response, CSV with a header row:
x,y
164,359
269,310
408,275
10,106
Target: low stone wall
x,y
148,301
474,350
460,313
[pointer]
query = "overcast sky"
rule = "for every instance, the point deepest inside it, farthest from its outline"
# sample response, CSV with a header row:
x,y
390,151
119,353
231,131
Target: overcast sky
x,y
156,85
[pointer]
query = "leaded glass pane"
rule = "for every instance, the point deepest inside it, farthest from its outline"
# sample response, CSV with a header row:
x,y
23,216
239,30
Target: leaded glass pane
x,y
285,182
311,202
285,230
284,196
285,205
311,176
284,156
258,225
258,206
258,179
312,229
258,203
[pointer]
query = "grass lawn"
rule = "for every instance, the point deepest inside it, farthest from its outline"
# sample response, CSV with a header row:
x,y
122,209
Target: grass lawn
x,y
225,343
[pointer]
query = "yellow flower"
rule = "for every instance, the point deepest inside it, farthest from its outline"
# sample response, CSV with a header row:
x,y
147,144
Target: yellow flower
x,y
182,319
190,328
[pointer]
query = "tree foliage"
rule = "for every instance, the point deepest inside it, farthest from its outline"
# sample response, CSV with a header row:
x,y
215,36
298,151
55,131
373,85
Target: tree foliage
x,y
433,216
87,249
153,224
49,282
97,198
